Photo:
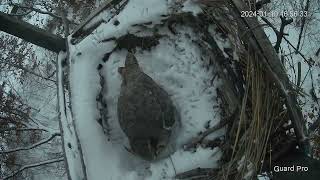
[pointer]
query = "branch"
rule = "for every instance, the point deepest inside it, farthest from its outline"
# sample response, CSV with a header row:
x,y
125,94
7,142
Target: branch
x,y
35,10
30,72
280,33
38,11
270,60
22,14
315,125
318,52
80,32
52,74
220,125
65,22
302,25
31,146
201,173
21,129
276,31
32,166
13,121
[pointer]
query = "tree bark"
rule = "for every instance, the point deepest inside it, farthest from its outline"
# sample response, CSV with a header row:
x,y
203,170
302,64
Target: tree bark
x,y
31,33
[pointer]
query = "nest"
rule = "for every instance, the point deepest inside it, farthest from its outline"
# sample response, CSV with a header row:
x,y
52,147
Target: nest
x,y
260,130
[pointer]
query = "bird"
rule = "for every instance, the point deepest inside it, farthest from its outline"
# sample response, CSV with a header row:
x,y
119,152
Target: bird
x,y
146,113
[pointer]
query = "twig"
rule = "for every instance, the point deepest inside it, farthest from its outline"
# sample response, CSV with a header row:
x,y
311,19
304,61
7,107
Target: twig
x,y
38,11
32,166
302,26
22,129
276,31
315,124
31,146
299,74
315,98
203,173
318,52
251,29
221,124
174,168
52,74
280,33
82,30
29,71
65,22
22,14
305,77
104,6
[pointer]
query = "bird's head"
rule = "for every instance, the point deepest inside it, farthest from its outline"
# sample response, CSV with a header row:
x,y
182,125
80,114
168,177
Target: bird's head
x,y
131,69
131,61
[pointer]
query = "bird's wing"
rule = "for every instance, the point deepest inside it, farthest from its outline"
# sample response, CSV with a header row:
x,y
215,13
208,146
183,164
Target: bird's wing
x,y
139,112
163,100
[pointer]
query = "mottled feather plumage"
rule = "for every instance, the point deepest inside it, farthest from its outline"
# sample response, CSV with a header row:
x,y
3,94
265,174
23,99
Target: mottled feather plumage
x,y
145,110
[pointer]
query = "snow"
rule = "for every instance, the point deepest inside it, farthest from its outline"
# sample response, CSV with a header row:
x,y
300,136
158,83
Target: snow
x,y
69,136
175,64
183,161
136,11
263,176
191,6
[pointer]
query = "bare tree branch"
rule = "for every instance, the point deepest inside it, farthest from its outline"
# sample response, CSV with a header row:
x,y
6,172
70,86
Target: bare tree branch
x,y
30,72
276,31
21,129
80,32
198,173
193,143
280,33
315,125
302,25
36,10
318,52
22,14
65,22
32,166
31,146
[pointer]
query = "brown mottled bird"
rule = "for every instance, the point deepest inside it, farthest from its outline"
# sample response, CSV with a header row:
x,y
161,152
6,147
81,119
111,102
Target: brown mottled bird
x,y
145,111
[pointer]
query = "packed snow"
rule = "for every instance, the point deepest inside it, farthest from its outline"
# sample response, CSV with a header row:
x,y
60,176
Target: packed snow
x,y
175,64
